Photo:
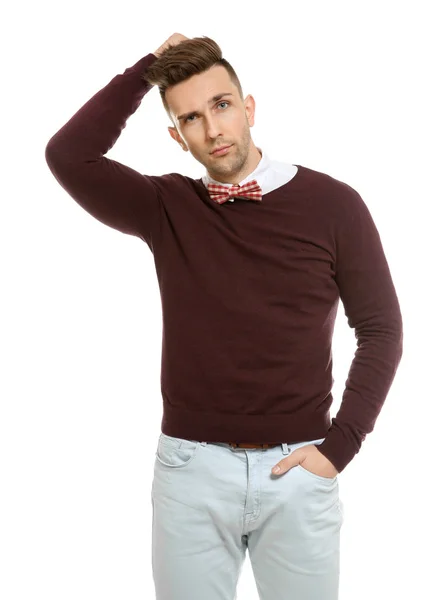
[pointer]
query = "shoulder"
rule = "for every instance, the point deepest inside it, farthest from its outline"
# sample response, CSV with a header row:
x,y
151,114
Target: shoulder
x,y
338,198
327,184
174,183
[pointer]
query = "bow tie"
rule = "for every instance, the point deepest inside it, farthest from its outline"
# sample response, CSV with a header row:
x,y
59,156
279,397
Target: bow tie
x,y
221,193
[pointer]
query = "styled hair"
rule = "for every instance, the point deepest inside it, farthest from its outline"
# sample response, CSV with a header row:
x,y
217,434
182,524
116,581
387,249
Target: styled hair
x,y
179,62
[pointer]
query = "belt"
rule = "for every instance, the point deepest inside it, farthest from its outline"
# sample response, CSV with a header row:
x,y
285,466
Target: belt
x,y
243,445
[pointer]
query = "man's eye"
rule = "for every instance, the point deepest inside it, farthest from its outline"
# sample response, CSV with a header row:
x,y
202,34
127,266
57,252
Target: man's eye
x,y
222,102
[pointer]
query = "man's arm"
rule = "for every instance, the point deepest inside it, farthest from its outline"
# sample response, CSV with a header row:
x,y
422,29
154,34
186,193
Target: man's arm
x,y
372,308
113,193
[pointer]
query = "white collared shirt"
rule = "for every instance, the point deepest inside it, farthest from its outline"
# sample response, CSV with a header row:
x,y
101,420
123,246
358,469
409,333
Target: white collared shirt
x,y
270,174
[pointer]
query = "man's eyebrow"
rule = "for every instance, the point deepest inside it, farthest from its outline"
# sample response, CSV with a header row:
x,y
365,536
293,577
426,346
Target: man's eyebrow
x,y
211,101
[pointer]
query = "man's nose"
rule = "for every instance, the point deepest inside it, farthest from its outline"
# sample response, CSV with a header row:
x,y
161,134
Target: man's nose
x,y
212,128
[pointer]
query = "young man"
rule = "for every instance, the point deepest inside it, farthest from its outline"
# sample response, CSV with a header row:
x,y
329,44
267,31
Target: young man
x,y
252,260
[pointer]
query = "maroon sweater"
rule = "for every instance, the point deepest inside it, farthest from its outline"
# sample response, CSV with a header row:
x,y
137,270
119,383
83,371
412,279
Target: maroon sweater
x,y
249,290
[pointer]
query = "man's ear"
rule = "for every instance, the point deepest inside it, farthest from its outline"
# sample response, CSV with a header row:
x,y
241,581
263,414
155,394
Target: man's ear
x,y
176,137
249,104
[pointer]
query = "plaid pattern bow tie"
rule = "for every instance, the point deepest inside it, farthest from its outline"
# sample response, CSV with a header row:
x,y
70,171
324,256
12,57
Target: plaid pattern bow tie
x,y
221,193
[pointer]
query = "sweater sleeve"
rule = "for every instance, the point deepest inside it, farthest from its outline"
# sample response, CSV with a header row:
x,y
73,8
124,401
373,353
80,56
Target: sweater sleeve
x,y
110,191
371,306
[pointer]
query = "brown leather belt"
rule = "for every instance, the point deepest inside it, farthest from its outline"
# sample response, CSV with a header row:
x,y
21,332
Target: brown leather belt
x,y
243,445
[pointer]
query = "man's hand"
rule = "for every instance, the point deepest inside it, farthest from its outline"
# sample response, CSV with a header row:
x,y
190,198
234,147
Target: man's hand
x,y
310,459
173,40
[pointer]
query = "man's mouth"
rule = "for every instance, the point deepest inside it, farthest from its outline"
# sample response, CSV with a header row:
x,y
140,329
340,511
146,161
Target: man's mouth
x,y
221,150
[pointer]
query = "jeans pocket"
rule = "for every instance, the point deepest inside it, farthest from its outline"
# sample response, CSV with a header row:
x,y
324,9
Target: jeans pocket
x,y
315,476
176,452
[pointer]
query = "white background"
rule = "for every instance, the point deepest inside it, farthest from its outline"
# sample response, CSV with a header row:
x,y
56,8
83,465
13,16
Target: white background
x,y
352,89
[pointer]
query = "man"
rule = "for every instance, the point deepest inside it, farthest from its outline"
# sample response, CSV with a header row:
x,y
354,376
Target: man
x,y
252,260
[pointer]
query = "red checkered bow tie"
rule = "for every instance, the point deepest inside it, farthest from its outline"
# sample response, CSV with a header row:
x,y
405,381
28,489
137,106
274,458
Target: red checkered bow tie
x,y
221,193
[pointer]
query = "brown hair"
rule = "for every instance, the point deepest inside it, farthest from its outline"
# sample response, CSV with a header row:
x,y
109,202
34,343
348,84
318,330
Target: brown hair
x,y
188,57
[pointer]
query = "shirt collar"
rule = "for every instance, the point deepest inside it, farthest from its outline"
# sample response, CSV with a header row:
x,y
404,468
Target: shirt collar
x,y
259,173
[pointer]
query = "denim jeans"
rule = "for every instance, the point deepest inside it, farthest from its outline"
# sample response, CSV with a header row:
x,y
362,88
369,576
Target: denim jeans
x,y
211,502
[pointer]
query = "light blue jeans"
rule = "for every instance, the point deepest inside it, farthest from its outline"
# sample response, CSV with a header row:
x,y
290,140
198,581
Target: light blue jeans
x,y
211,502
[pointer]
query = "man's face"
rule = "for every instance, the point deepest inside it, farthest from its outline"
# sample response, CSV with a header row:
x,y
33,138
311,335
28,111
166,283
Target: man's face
x,y
203,124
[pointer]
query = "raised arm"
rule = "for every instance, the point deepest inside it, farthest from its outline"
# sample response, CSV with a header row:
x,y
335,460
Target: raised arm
x,y
110,191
